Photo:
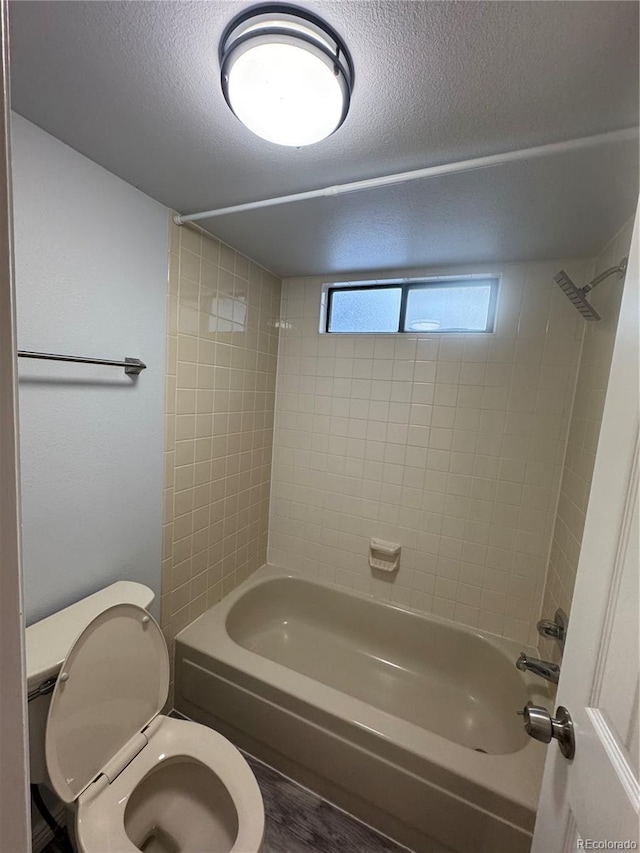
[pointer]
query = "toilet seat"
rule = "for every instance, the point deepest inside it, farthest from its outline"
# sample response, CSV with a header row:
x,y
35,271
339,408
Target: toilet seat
x,y
101,808
105,739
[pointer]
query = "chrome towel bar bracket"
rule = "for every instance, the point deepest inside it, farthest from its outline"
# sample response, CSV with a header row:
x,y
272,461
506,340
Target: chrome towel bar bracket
x,y
132,366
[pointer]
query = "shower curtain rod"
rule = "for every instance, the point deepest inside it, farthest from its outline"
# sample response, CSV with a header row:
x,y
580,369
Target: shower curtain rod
x,y
625,135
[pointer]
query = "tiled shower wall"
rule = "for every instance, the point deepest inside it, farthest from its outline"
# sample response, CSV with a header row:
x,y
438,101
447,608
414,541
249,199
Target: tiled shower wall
x,y
451,445
584,430
222,344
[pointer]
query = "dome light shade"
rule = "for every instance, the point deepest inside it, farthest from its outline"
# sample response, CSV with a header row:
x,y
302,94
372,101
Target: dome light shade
x,y
285,74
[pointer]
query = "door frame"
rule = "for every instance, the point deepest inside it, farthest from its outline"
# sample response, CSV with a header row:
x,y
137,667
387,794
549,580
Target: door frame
x,y
15,823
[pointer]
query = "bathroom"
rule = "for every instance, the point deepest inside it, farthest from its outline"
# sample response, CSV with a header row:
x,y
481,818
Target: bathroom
x,y
349,517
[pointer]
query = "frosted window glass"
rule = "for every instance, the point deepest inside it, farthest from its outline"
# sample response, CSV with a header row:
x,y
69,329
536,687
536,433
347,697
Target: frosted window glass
x,y
365,310
448,309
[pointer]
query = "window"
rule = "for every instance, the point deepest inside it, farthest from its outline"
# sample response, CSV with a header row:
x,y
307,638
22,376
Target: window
x,y
440,305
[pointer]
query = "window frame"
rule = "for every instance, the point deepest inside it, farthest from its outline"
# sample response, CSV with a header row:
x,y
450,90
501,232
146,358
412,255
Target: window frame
x,y
418,284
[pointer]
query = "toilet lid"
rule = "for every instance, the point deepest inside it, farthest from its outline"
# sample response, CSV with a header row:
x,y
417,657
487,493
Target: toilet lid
x,y
113,682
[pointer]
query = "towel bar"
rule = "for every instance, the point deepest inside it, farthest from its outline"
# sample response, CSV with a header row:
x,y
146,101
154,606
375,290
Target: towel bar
x,y
132,366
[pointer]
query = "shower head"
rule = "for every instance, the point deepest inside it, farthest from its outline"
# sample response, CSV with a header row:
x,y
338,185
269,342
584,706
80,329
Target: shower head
x,y
577,296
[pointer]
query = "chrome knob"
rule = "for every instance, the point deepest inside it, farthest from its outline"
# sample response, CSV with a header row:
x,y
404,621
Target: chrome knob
x,y
557,629
540,725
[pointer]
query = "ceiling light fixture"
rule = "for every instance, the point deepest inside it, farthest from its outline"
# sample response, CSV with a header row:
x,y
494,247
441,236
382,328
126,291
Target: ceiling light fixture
x,y
286,74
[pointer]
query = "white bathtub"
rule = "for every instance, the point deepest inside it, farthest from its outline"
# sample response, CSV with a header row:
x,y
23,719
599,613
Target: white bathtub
x,y
407,721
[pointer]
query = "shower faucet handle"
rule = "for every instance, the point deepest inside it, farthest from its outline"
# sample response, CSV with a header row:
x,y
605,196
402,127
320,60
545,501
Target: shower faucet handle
x,y
556,629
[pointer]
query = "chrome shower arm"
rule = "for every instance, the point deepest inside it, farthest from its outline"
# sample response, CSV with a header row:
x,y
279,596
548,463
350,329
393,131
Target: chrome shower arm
x,y
621,268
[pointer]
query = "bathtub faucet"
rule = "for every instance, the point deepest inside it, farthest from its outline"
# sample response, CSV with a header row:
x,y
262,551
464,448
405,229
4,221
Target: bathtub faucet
x,y
544,668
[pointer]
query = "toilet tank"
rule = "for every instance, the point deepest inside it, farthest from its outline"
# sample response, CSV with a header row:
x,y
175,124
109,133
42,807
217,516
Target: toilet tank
x,y
47,644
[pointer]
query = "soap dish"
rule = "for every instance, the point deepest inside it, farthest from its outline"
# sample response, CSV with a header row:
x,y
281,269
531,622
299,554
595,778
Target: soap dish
x,y
384,556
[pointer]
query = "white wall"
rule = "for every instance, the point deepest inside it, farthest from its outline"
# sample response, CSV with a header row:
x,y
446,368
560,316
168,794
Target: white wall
x,y
91,272
450,445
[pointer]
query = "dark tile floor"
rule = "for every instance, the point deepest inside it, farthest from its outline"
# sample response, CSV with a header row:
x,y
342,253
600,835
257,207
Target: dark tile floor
x,y
298,821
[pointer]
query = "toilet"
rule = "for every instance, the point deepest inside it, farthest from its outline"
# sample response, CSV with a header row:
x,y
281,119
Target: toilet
x,y
135,779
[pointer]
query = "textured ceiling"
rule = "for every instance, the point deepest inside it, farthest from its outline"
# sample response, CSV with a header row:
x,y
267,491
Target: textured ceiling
x,y
134,86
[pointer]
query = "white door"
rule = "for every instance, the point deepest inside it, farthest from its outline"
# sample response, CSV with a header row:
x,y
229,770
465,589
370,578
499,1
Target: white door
x,y
593,801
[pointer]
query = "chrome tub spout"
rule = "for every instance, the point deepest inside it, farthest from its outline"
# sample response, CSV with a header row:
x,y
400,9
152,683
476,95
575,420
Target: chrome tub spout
x,y
545,669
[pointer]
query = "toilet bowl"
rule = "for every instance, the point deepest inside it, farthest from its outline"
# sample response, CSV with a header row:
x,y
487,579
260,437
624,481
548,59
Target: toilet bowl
x,y
138,780
188,791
